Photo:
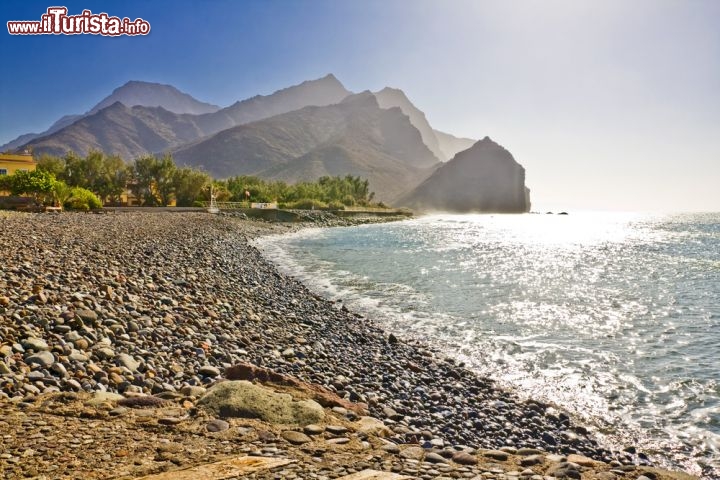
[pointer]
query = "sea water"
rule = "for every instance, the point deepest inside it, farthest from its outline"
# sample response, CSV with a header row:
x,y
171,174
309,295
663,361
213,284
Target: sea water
x,y
614,317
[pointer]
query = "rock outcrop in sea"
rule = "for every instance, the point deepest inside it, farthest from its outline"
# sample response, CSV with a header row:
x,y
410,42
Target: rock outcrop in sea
x,y
483,178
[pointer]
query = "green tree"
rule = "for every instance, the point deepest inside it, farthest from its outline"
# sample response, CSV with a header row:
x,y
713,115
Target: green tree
x,y
163,177
91,168
221,191
141,184
51,164
332,191
74,172
112,179
153,180
189,184
106,176
37,183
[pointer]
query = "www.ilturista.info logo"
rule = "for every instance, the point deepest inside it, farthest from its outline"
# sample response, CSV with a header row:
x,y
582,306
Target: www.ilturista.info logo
x,y
57,22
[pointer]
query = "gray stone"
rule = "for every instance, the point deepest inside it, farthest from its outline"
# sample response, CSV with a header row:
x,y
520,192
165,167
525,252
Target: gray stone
x,y
30,388
555,458
73,384
336,429
548,438
44,358
240,398
209,371
192,391
565,470
294,437
437,442
87,315
496,455
217,425
338,441
464,458
127,361
76,356
59,369
583,461
36,344
372,426
531,460
104,353
313,429
35,376
391,448
72,336
433,457
414,453
171,420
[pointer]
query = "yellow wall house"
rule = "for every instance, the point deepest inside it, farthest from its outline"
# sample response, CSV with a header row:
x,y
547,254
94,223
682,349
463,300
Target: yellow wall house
x,y
12,162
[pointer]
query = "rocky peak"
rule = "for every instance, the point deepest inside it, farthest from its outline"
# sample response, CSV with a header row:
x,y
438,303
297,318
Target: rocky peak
x,y
393,97
483,178
149,94
362,99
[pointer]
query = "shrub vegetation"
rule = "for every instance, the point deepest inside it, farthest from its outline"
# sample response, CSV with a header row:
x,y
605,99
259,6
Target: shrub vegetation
x,y
157,181
327,192
82,199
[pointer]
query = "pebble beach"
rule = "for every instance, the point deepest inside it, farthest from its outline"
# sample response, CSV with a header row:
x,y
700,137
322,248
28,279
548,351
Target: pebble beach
x,y
118,331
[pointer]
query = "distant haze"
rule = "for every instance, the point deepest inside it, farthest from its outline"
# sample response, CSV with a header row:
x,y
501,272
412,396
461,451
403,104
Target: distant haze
x,y
610,105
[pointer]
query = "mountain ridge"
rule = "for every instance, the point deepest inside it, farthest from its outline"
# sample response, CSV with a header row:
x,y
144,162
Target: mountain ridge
x,y
301,132
81,138
354,137
151,94
394,97
132,93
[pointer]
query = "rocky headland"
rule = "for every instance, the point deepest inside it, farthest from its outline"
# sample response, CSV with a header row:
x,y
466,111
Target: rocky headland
x,y
163,345
485,178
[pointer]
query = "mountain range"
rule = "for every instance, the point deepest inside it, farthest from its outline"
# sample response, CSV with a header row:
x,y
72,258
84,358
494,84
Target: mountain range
x,y
302,132
131,94
353,137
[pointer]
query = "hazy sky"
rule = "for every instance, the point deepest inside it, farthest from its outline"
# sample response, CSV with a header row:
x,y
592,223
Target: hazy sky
x,y
607,104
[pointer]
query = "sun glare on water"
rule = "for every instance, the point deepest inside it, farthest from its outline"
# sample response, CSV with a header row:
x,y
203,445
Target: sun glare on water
x,y
576,230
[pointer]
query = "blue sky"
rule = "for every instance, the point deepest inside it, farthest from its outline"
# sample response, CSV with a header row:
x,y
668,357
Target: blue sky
x,y
608,105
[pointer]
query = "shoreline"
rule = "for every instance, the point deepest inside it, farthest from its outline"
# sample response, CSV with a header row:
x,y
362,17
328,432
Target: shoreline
x,y
186,296
611,433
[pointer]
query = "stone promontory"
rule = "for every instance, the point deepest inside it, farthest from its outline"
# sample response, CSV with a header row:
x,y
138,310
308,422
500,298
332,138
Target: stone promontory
x,y
483,178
